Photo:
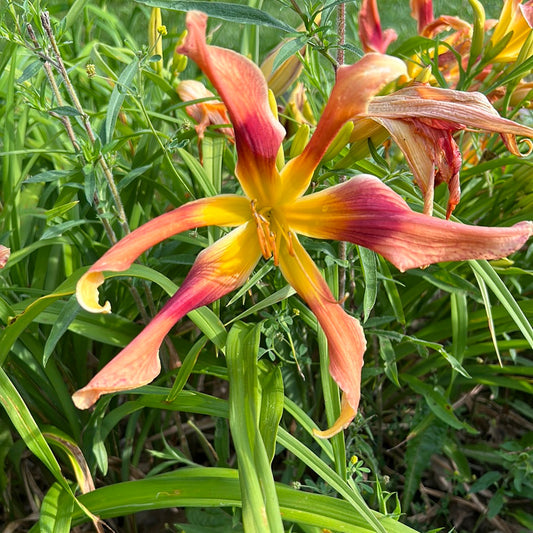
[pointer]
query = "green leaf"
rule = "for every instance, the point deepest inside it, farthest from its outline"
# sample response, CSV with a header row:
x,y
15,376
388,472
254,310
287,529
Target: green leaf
x,y
56,511
392,291
64,319
485,481
386,352
30,71
369,268
117,98
219,487
231,12
436,401
260,503
418,455
288,49
485,271
271,407
186,368
66,111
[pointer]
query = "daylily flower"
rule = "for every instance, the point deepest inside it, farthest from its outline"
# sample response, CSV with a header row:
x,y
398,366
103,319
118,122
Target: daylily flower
x,y
206,113
372,37
518,19
422,120
422,12
271,215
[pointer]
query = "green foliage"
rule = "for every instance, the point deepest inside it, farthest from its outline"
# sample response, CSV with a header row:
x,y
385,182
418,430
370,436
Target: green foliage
x,y
226,430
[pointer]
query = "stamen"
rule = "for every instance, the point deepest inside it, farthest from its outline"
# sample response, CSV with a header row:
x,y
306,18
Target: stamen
x,y
274,248
267,238
291,245
341,301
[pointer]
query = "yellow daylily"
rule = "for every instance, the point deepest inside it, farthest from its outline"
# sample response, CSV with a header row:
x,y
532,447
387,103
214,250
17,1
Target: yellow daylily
x,y
517,18
271,215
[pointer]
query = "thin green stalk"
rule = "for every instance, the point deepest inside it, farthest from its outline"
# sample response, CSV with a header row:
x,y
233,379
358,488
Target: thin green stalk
x,y
121,215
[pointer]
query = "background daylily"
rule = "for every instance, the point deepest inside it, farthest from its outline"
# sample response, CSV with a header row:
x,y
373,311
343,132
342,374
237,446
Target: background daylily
x,y
516,24
373,38
271,215
205,112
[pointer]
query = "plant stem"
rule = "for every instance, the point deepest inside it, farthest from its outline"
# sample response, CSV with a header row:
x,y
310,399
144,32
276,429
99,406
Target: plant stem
x,y
121,215
341,33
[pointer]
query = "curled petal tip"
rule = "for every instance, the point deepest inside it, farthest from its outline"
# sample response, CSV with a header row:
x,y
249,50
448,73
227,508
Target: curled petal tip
x,y
344,420
87,293
83,399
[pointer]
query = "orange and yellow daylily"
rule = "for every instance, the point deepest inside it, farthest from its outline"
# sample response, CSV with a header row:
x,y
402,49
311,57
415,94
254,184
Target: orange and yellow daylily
x,y
273,212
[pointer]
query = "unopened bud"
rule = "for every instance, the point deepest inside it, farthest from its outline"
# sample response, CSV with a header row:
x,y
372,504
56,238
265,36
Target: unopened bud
x,y
339,142
154,38
179,61
300,140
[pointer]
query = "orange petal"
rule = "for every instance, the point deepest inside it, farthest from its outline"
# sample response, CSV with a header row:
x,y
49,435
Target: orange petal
x,y
217,270
422,12
346,416
372,38
244,91
222,210
207,112
367,212
355,86
346,340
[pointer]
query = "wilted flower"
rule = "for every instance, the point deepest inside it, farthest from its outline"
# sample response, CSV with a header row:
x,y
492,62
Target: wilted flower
x,y
422,120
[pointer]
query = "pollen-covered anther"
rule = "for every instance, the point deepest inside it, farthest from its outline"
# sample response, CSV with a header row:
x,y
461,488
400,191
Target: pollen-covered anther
x,y
87,293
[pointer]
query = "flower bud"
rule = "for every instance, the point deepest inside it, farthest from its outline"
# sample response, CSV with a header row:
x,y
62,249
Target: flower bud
x,y
300,140
155,41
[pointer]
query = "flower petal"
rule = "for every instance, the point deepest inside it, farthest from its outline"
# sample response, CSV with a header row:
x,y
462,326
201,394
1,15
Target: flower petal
x,y
355,86
217,270
206,113
346,340
432,155
243,90
367,212
372,38
422,12
4,255
222,210
515,18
